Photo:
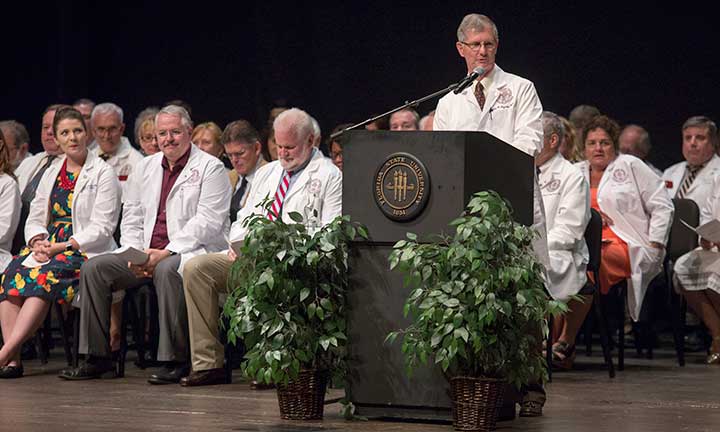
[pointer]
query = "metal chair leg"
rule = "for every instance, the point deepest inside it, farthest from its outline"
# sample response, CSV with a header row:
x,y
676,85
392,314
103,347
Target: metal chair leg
x,y
604,332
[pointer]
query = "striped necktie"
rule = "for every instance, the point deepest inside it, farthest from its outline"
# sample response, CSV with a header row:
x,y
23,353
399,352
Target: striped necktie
x,y
277,204
687,181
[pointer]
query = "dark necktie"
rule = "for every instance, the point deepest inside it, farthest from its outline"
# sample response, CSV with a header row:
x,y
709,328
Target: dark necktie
x,y
29,193
105,156
688,180
236,201
479,95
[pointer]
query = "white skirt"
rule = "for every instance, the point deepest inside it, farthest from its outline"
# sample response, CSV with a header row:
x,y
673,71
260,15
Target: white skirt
x,y
699,270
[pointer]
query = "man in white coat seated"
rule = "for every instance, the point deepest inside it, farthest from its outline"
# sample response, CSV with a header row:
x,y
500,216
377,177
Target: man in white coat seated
x,y
566,200
310,183
110,144
177,208
693,178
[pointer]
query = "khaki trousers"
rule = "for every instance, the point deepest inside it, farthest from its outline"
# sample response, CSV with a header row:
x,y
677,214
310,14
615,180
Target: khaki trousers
x,y
204,279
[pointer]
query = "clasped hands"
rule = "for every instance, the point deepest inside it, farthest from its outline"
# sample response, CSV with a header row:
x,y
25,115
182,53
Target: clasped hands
x,y
43,250
154,257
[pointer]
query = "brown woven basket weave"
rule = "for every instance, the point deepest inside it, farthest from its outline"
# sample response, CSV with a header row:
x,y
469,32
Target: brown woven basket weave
x,y
475,402
304,397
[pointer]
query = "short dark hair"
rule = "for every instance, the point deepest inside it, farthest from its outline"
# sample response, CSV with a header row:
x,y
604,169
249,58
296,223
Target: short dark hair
x,y
67,113
55,107
239,130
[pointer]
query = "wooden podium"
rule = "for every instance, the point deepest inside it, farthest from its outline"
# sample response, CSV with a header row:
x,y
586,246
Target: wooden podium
x,y
383,172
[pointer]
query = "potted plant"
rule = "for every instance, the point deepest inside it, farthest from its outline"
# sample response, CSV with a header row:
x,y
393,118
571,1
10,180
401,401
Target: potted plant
x,y
478,307
287,304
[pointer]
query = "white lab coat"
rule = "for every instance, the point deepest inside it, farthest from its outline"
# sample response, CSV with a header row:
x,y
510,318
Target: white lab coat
x,y
9,217
634,197
566,197
123,161
701,188
196,208
29,166
512,112
699,269
95,206
318,190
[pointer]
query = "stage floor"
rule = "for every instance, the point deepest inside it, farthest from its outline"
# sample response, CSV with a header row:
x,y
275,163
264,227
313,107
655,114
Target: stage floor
x,y
650,395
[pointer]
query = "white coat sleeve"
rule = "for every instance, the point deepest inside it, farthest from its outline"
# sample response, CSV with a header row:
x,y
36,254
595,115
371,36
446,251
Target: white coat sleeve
x,y
133,212
104,215
9,217
332,201
573,215
213,207
528,132
711,207
38,215
655,201
440,121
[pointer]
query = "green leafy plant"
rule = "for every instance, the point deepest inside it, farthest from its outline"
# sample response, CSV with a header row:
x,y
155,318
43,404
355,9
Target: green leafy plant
x,y
287,296
478,302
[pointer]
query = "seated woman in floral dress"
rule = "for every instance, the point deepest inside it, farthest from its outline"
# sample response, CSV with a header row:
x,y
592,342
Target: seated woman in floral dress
x,y
72,217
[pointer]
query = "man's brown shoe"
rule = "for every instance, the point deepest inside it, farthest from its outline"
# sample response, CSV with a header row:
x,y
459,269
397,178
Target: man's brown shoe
x,y
205,377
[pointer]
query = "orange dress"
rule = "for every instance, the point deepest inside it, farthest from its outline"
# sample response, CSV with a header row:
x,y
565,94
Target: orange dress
x,y
615,258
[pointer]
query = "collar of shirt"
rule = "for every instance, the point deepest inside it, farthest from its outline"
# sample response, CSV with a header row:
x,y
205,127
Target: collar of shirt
x,y
249,178
487,81
293,174
180,164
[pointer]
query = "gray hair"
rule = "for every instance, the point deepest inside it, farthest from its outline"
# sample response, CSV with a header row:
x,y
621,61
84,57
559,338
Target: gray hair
x,y
582,114
477,23
84,101
316,127
644,145
552,124
414,113
702,121
297,120
147,113
107,108
178,111
17,130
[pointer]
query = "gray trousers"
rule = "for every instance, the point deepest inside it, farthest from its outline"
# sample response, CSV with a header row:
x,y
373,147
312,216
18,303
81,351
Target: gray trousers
x,y
101,276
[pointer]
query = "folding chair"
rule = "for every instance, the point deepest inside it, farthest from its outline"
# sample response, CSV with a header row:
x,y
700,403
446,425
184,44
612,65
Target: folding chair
x,y
682,240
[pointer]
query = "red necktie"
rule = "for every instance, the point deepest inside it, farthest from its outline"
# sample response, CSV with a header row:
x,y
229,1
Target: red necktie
x,y
274,212
479,95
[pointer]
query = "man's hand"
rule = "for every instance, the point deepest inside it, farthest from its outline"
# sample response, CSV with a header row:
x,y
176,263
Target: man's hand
x,y
706,244
154,258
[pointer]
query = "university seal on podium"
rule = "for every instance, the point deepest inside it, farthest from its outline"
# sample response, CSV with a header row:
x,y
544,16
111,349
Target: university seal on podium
x,y
402,187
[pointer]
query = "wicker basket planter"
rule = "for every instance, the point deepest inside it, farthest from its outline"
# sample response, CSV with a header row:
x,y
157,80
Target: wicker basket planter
x,y
303,398
475,402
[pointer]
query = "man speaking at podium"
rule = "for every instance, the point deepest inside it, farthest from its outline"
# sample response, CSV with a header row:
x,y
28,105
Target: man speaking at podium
x,y
502,104
506,106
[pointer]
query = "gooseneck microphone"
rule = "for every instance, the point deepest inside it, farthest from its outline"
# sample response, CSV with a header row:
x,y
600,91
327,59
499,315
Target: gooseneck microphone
x,y
472,76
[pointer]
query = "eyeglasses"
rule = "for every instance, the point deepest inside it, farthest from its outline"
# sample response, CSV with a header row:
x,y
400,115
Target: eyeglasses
x,y
112,130
336,155
475,46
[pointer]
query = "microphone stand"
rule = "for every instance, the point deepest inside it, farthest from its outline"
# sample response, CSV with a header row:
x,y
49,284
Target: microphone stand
x,y
401,107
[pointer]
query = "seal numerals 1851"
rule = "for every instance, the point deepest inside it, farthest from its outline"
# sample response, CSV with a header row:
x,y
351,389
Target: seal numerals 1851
x,y
402,187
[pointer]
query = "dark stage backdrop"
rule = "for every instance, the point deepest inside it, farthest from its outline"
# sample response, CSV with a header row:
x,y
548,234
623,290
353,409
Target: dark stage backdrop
x,y
343,61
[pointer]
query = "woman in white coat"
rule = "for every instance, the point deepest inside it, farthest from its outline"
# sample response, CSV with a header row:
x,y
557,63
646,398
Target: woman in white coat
x,y
635,209
698,275
10,199
72,217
